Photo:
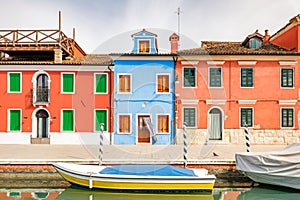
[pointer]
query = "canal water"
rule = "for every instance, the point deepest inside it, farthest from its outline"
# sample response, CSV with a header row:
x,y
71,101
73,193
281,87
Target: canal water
x,y
77,193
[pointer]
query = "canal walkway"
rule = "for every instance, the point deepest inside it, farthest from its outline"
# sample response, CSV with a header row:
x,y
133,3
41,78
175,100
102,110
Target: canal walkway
x,y
211,153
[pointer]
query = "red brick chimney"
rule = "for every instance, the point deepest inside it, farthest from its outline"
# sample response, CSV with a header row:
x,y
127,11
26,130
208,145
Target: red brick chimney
x,y
174,38
266,36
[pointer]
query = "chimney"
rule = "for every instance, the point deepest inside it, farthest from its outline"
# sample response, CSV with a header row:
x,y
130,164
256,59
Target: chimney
x,y
266,36
174,38
57,56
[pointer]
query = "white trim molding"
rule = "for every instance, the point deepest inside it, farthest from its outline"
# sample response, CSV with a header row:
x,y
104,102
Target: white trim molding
x,y
287,102
247,101
212,62
288,63
247,62
189,62
189,101
215,102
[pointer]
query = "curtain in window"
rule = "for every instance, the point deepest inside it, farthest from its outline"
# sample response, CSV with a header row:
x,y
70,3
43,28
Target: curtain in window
x,y
163,124
124,83
163,83
124,124
214,126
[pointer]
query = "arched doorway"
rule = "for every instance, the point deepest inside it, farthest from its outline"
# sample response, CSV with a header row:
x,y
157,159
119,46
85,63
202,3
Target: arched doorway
x,y
215,124
42,118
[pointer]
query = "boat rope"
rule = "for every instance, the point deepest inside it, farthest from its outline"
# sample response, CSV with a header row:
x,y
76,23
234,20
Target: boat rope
x,y
184,145
247,136
101,144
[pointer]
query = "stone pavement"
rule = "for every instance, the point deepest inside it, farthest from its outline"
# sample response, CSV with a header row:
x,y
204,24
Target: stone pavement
x,y
211,153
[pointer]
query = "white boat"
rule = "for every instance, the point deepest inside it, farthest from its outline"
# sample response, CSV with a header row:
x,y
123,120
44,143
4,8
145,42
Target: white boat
x,y
276,168
137,177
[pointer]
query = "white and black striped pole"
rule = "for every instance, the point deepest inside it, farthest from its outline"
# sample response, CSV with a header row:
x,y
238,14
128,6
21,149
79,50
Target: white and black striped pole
x,y
247,136
184,145
101,144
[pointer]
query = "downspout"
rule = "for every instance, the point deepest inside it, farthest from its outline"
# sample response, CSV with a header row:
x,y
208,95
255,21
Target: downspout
x,y
175,58
110,102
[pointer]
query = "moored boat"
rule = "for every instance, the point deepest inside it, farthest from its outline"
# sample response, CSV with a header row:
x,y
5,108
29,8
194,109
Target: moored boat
x,y
137,177
276,168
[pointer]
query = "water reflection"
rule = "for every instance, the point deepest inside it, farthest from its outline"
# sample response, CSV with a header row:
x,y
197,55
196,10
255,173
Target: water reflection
x,y
76,193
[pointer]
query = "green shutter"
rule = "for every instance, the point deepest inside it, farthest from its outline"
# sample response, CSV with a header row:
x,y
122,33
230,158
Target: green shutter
x,y
247,77
101,117
68,82
101,83
15,120
189,77
68,120
15,82
246,116
190,116
287,77
215,77
287,117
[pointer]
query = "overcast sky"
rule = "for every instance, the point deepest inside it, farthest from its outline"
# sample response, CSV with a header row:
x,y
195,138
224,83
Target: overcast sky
x,y
101,24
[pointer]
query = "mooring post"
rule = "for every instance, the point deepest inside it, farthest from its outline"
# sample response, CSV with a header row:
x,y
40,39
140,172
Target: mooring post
x,y
101,144
184,145
247,136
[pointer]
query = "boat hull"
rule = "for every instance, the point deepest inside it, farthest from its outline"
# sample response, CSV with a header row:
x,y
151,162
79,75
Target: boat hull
x,y
93,180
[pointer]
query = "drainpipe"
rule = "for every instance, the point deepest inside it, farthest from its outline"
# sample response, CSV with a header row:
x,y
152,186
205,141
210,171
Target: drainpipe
x,y
110,101
175,58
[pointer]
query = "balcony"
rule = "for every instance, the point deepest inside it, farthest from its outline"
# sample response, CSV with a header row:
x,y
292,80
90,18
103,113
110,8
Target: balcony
x,y
40,96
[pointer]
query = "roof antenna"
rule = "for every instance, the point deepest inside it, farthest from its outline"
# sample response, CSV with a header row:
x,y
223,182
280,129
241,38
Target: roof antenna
x,y
178,21
59,21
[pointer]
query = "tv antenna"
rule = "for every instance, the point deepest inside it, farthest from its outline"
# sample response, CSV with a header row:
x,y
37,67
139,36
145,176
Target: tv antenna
x,y
178,12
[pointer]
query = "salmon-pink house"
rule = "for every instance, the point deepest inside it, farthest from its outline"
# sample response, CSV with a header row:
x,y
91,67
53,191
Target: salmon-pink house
x,y
51,91
224,86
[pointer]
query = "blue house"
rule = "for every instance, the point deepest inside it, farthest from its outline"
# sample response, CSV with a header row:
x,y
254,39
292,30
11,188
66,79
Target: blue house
x,y
144,93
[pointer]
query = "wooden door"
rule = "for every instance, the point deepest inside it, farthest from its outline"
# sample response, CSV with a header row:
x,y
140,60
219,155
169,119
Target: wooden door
x,y
143,132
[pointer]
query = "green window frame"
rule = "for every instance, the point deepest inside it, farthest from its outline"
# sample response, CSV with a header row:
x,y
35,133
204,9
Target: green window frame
x,y
287,77
101,83
189,77
100,117
215,77
67,120
287,117
15,82
246,116
14,120
68,82
189,116
247,77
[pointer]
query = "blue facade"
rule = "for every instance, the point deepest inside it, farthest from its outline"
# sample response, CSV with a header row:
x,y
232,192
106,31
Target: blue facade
x,y
142,97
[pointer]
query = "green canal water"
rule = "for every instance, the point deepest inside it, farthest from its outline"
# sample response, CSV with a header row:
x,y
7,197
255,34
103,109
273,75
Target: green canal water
x,y
77,193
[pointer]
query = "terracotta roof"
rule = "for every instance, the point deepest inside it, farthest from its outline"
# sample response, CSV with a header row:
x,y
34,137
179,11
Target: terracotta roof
x,y
89,59
235,48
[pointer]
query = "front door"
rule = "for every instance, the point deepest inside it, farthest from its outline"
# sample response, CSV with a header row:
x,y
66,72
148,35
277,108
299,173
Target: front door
x,y
42,124
143,131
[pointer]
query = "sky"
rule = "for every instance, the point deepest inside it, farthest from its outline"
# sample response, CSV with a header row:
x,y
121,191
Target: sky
x,y
105,26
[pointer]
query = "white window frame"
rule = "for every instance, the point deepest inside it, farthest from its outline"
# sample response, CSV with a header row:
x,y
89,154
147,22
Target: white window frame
x,y
130,122
62,83
96,109
8,82
138,45
211,67
118,89
293,118
95,87
194,67
241,77
156,88
8,120
196,116
61,120
280,78
169,123
240,118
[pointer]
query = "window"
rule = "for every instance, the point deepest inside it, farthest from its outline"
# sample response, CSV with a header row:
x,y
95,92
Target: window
x,y
100,117
246,117
189,77
100,83
15,82
163,123
255,43
247,77
163,83
287,117
189,116
124,124
68,84
67,120
124,83
215,77
14,120
144,46
287,77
